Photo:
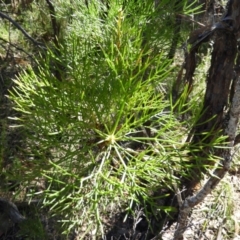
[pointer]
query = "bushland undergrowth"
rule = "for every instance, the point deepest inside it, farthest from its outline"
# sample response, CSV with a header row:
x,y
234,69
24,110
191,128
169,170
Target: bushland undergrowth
x,y
101,130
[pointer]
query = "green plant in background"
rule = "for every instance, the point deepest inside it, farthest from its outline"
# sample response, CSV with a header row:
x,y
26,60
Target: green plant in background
x,y
32,228
104,137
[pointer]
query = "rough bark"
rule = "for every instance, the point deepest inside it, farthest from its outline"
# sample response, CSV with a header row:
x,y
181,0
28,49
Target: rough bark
x,y
177,30
217,93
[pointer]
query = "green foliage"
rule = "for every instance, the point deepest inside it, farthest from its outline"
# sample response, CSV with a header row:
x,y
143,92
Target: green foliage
x,y
32,228
90,124
105,136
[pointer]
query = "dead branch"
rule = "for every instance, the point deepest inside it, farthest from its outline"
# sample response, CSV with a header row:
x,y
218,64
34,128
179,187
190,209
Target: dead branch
x,y
56,31
2,15
55,25
16,47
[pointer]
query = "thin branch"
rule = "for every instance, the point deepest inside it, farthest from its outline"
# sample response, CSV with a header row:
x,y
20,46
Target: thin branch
x,y
18,48
55,25
2,15
56,28
191,19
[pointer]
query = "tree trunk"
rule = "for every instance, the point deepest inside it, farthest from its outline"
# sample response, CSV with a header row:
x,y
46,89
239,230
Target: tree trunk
x,y
220,112
215,101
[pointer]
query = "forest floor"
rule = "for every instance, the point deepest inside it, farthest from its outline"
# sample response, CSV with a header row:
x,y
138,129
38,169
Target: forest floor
x,y
218,217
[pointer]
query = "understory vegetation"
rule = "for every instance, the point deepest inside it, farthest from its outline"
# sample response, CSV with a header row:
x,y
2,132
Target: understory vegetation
x,y
96,129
